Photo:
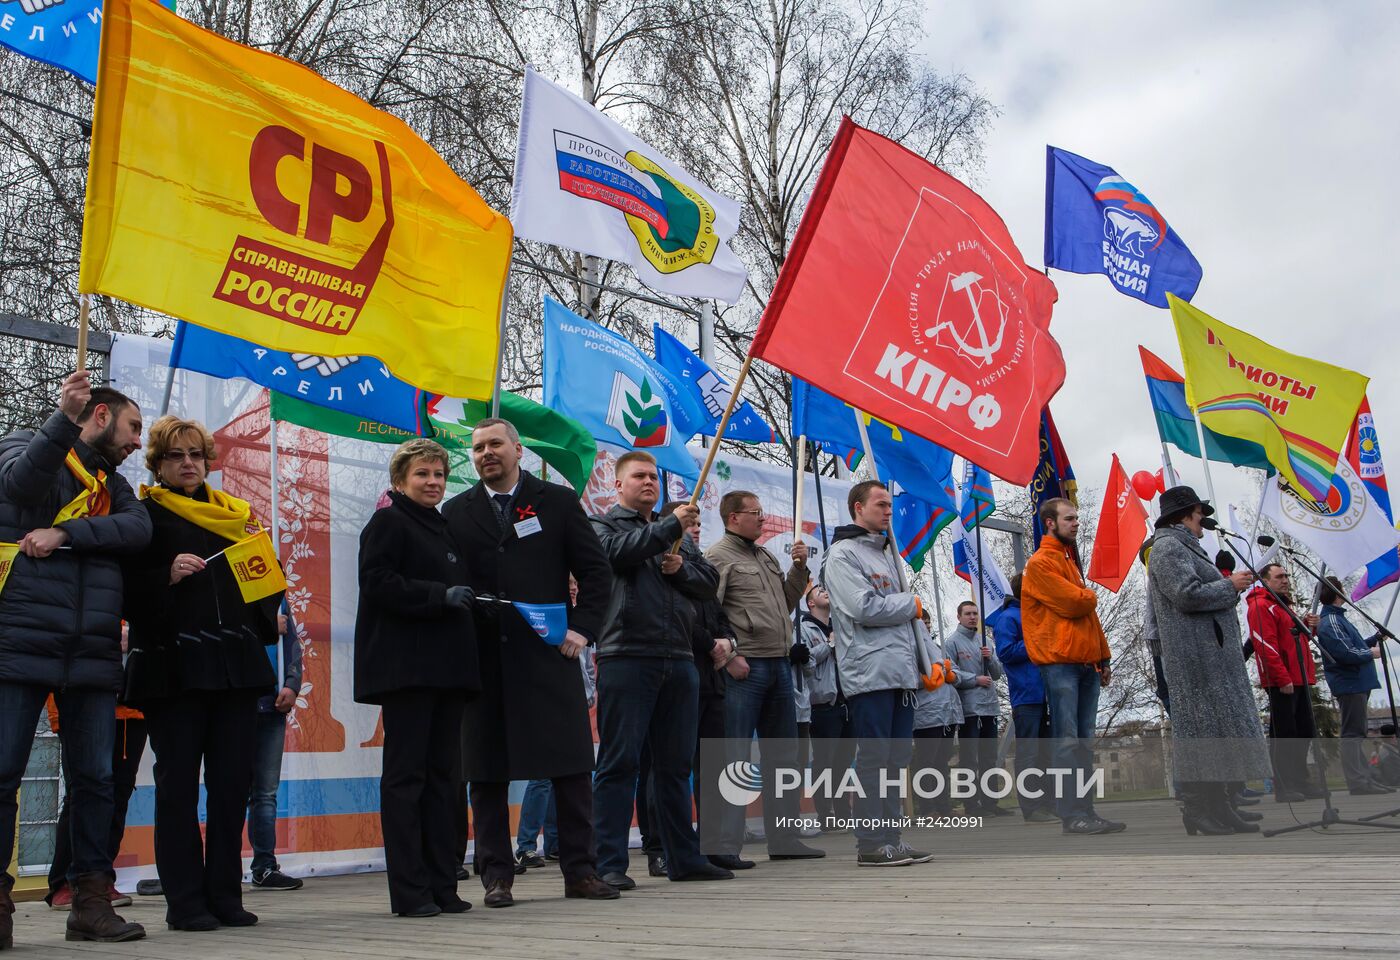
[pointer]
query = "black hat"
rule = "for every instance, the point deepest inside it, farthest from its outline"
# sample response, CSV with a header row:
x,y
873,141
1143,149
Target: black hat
x,y
1178,501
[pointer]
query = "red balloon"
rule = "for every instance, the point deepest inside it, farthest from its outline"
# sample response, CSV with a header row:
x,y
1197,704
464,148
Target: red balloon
x,y
1161,481
1145,484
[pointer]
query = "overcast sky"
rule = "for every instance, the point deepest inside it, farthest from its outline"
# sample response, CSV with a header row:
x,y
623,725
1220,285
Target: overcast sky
x,y
1266,134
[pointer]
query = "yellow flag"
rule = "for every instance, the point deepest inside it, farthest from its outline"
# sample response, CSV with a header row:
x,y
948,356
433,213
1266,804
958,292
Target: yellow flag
x,y
8,552
1298,409
242,192
255,567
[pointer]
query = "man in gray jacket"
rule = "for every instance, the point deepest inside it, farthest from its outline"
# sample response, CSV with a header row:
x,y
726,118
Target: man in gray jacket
x,y
978,670
878,651
67,516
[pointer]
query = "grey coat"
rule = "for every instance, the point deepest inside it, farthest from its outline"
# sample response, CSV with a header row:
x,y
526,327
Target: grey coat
x,y
1216,735
965,649
942,707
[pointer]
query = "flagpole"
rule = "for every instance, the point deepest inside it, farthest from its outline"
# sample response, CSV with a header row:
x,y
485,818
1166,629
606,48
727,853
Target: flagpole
x,y
84,307
276,493
801,487
821,506
981,584
501,343
1258,517
1205,460
937,590
1168,471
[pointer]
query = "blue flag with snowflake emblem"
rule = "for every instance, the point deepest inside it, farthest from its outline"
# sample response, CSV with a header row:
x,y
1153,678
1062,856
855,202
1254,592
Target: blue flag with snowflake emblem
x,y
1098,222
619,394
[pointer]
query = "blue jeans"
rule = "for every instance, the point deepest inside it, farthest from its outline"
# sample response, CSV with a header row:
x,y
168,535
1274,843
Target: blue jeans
x,y
882,723
537,813
643,699
761,704
87,732
1033,746
1072,692
262,799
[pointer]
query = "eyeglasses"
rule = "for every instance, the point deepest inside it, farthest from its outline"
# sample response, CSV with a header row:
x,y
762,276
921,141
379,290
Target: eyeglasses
x,y
175,456
761,515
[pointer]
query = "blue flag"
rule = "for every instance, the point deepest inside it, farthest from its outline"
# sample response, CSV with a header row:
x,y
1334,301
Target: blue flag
x,y
549,620
710,391
361,386
616,391
905,460
64,34
978,500
1054,477
1097,222
916,524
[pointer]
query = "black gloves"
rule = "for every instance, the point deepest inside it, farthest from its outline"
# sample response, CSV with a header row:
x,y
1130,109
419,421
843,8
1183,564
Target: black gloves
x,y
800,654
459,597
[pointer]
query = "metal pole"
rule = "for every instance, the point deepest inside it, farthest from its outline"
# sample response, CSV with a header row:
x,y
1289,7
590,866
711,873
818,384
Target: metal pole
x,y
1168,471
937,591
276,492
501,344
821,506
707,332
1205,460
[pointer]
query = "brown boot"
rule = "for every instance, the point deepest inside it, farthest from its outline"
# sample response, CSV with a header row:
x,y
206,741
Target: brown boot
x,y
93,917
590,887
499,895
7,909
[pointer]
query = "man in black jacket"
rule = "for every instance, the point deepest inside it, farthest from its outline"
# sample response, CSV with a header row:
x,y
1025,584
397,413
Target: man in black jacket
x,y
648,687
66,516
522,537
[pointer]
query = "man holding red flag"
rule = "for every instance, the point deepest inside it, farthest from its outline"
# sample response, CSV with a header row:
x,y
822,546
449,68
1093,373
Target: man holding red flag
x,y
916,308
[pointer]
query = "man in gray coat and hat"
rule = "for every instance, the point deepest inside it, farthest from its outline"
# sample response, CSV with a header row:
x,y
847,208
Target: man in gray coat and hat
x,y
1216,736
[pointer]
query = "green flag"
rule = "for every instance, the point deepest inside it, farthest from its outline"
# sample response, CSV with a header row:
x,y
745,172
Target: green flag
x,y
559,441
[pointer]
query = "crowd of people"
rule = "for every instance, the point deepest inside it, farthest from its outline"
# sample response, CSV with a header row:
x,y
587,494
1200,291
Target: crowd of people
x,y
118,602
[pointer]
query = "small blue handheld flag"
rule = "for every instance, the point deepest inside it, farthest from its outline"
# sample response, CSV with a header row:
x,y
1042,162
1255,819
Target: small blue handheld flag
x,y
549,620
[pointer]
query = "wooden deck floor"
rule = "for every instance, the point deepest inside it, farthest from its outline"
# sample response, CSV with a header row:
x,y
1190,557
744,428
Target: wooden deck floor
x,y
1007,890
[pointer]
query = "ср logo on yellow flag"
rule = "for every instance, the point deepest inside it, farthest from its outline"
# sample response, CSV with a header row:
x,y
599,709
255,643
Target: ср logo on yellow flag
x,y
255,567
1298,409
242,192
8,552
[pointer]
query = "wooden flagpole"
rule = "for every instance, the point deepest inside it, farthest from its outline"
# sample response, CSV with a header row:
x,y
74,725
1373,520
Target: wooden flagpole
x,y
84,307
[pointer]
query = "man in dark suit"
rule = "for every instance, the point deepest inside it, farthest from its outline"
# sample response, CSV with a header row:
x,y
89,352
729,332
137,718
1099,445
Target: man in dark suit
x,y
522,538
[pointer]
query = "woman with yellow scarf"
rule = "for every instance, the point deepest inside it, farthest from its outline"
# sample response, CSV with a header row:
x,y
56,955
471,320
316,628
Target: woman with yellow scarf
x,y
197,667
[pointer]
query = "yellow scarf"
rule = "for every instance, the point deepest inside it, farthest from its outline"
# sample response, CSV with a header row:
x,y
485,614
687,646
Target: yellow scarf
x,y
226,516
93,501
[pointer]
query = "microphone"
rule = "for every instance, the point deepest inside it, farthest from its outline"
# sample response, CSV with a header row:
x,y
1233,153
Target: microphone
x,y
1210,523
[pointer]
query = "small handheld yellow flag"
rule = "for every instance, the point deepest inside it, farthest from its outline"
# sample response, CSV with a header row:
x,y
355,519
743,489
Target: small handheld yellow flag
x,y
242,192
8,552
1297,408
255,567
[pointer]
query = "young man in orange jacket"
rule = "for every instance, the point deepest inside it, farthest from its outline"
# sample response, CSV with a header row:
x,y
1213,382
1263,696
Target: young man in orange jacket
x,y
1064,638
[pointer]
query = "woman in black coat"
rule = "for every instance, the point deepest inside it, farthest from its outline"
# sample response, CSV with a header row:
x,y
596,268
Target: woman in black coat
x,y
196,669
415,656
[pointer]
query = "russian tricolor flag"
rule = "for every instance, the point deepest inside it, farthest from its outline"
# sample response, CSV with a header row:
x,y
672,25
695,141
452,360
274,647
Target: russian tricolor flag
x,y
1176,424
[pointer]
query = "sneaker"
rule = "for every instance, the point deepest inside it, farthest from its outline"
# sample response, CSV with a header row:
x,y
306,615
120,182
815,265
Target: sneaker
x,y
61,899
1085,825
276,880
529,859
1110,826
886,856
1042,815
115,897
552,856
149,888
915,856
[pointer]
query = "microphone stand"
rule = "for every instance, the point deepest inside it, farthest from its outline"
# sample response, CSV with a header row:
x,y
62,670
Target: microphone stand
x,y
1383,632
1330,815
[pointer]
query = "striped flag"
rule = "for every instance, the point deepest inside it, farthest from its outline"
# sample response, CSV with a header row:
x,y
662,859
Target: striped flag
x,y
1363,453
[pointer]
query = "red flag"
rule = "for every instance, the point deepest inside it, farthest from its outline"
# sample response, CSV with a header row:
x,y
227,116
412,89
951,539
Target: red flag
x,y
1122,528
905,296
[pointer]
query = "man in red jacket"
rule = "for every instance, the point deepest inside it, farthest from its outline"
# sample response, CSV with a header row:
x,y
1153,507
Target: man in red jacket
x,y
1278,651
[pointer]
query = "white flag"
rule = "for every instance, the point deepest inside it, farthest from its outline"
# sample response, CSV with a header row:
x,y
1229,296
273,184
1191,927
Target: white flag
x,y
994,585
1347,532
585,183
